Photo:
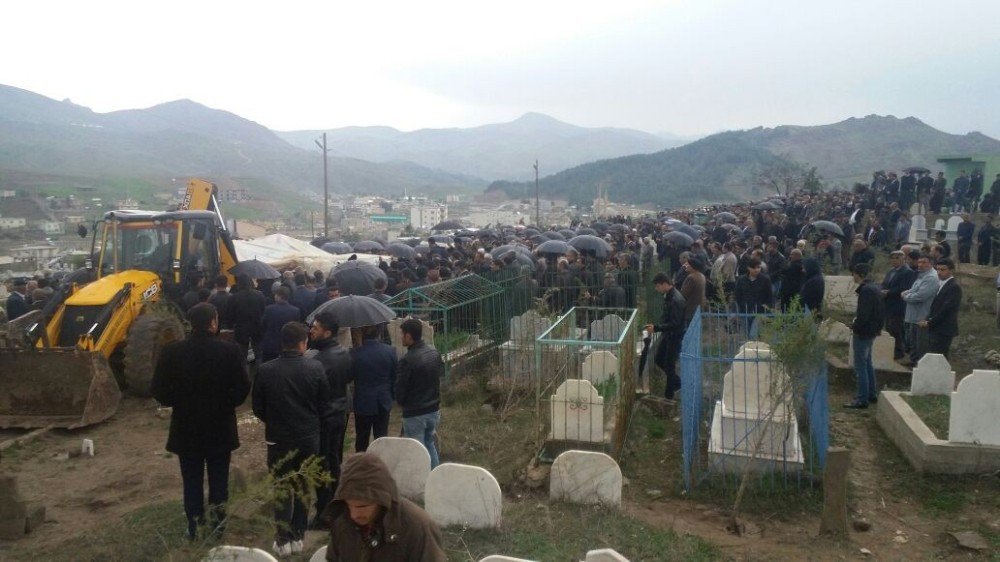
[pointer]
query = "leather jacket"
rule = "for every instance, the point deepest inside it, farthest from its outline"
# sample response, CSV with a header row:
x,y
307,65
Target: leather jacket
x,y
336,360
418,383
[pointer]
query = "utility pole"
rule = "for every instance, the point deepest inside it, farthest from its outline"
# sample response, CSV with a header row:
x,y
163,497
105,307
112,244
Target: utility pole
x,y
538,220
326,189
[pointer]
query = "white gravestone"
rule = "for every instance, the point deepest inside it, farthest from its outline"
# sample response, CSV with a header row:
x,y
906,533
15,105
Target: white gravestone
x,y
577,412
951,230
974,408
319,555
605,555
750,390
939,225
524,329
396,334
607,328
459,494
517,356
500,558
238,554
914,209
408,462
932,375
599,366
919,225
586,477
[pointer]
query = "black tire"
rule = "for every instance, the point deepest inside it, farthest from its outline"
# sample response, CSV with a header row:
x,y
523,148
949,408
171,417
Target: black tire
x,y
148,335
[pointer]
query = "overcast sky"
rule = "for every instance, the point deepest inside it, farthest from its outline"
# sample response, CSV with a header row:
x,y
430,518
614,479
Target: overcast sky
x,y
685,67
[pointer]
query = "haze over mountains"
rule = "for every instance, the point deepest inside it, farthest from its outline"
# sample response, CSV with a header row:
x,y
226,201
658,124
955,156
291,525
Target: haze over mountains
x,y
502,151
40,136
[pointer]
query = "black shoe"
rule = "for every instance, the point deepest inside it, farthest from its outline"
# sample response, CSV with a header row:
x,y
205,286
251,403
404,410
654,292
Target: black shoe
x,y
873,400
856,406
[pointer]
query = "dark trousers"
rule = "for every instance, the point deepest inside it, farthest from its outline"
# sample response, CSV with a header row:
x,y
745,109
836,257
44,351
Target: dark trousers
x,y
937,343
331,448
983,254
894,325
667,355
193,467
965,252
291,514
367,425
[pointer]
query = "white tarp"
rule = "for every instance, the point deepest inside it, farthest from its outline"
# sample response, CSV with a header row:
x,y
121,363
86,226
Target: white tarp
x,y
284,252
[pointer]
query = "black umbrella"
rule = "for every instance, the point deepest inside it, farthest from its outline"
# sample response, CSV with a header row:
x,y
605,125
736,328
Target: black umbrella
x,y
337,248
355,311
557,247
319,241
401,251
729,226
599,226
586,232
368,246
567,233
411,242
442,239
689,230
725,216
501,251
447,225
538,239
488,233
618,227
590,243
529,232
356,277
916,170
679,239
553,235
255,269
828,226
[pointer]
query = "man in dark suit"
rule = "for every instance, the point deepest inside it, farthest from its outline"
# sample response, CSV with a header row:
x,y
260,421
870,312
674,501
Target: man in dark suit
x,y
17,305
867,325
203,379
374,366
243,313
942,322
899,278
672,325
275,317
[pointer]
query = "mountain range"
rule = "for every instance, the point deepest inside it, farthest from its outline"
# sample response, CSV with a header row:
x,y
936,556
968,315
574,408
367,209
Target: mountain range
x,y
501,151
728,165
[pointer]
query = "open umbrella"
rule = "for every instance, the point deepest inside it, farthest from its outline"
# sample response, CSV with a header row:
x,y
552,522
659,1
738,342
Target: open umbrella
x,y
599,226
729,226
590,243
501,251
447,225
689,230
567,233
556,247
319,241
255,269
368,246
355,311
827,226
618,227
529,232
356,277
916,170
586,232
553,235
725,216
337,248
401,251
442,239
679,239
488,233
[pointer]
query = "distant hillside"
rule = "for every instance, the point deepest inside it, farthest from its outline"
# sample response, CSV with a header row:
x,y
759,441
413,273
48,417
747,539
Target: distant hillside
x,y
727,165
718,168
498,151
851,150
181,139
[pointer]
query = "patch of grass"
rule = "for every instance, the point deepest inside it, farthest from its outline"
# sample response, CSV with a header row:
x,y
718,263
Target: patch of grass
x,y
933,410
544,531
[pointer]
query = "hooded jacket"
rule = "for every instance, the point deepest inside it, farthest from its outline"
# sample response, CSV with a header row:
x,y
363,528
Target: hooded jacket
x,y
403,533
813,287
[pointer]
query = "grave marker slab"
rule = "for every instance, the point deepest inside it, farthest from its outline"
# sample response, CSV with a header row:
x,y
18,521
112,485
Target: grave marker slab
x,y
919,225
524,329
586,477
238,554
974,408
500,558
607,328
577,412
459,494
605,555
932,375
408,462
599,366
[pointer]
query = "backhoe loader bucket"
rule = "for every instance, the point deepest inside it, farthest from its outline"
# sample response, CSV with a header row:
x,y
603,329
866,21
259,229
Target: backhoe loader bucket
x,y
58,387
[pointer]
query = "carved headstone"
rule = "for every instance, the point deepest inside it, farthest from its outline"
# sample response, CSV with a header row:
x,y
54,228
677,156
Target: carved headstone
x,y
608,328
408,462
577,412
918,229
932,375
238,554
524,329
459,494
586,477
974,408
599,366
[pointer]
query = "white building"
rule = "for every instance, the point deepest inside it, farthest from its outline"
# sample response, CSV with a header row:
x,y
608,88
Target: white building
x,y
423,217
49,227
10,223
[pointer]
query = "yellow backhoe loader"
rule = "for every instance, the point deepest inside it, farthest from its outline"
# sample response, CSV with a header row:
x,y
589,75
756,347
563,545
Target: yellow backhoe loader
x,y
65,365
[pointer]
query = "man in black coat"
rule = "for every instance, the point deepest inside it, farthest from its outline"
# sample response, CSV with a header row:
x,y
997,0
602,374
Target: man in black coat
x,y
244,313
275,317
17,304
942,322
336,360
203,379
418,388
899,278
867,325
291,395
672,326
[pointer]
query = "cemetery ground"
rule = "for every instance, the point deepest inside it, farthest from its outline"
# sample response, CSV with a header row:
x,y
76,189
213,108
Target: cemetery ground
x,y
124,503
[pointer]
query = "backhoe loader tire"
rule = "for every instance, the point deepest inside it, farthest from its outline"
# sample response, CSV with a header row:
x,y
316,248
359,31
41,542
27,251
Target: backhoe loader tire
x,y
148,335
